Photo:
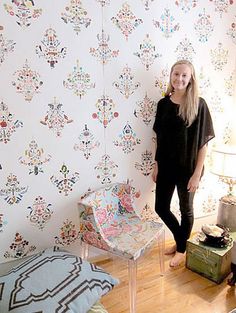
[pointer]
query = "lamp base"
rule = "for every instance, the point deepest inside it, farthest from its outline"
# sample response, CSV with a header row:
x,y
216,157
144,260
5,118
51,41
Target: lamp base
x,y
227,212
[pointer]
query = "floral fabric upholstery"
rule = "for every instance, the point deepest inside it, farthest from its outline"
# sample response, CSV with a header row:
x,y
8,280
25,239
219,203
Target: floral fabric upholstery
x,y
108,221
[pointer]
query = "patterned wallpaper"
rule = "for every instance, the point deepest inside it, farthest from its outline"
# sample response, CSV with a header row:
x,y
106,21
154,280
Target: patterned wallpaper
x,y
80,81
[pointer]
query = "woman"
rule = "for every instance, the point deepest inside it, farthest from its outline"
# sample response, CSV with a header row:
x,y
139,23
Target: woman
x,y
183,126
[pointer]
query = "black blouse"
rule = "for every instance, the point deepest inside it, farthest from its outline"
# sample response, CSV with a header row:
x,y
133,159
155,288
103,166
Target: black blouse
x,y
177,144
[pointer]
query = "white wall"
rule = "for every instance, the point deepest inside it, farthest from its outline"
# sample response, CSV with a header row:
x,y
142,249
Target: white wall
x,y
34,214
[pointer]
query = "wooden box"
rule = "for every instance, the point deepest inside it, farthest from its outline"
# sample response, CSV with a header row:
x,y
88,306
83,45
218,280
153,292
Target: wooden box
x,y
212,263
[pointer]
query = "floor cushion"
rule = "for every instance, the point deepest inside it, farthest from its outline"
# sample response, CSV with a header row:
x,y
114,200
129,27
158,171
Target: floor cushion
x,y
53,281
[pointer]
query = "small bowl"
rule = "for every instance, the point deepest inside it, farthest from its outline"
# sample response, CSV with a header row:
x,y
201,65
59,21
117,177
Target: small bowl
x,y
217,240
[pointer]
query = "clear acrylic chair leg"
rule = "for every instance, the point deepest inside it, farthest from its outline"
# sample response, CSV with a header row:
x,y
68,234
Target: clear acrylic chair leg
x,y
161,249
132,266
84,250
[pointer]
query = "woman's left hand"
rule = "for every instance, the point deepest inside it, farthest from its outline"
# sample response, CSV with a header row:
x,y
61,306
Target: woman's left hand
x,y
193,183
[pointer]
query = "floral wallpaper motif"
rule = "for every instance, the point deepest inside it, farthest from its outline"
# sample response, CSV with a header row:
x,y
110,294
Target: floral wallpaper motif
x,y
76,15
126,20
147,164
146,110
203,27
40,212
13,192
219,57
204,82
106,170
65,181
86,142
105,110
185,50
103,53
166,24
19,248
104,2
24,11
50,48
126,84
229,84
162,81
186,5
27,81
6,46
34,158
80,82
3,222
147,53
232,31
127,139
55,118
7,125
222,6
68,234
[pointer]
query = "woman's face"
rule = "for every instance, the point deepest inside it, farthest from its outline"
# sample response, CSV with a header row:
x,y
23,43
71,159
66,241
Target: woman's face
x,y
180,77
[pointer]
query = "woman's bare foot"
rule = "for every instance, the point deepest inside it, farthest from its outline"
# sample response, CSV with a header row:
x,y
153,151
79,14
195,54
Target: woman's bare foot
x,y
177,259
170,250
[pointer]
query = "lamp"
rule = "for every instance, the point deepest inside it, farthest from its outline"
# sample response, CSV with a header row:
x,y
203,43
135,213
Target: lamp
x,y
224,166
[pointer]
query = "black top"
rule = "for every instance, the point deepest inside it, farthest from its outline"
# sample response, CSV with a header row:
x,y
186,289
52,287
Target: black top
x,y
177,144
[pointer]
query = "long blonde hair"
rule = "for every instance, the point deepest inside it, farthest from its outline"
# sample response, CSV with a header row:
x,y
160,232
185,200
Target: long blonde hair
x,y
189,109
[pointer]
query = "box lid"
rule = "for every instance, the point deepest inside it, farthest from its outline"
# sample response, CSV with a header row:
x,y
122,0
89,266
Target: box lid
x,y
219,251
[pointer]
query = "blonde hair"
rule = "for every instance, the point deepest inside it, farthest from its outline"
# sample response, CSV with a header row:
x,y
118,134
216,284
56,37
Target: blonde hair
x,y
189,109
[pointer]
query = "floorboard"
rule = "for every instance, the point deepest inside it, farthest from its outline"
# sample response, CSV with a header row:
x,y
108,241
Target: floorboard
x,y
179,290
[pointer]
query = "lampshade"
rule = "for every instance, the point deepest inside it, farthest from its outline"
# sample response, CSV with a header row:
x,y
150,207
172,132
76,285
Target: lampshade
x,y
223,165
224,162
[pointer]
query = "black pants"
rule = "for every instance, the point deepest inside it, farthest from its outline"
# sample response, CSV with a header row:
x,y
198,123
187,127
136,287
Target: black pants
x,y
167,180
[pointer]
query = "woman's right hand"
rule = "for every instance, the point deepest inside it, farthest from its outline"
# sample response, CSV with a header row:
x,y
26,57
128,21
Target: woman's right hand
x,y
155,172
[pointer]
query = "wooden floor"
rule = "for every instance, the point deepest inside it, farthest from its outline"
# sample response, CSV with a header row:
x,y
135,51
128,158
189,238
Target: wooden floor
x,y
178,291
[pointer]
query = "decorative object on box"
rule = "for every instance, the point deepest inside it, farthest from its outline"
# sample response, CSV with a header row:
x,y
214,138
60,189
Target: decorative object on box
x,y
210,262
53,281
108,221
232,280
215,235
223,165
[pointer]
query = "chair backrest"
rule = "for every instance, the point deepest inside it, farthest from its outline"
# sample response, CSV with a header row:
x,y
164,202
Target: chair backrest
x,y
110,202
110,205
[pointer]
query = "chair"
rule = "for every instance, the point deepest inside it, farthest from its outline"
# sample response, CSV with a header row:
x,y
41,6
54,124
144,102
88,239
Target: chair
x,y
108,221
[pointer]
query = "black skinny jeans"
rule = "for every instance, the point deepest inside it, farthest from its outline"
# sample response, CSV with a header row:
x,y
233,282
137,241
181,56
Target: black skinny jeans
x,y
167,179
